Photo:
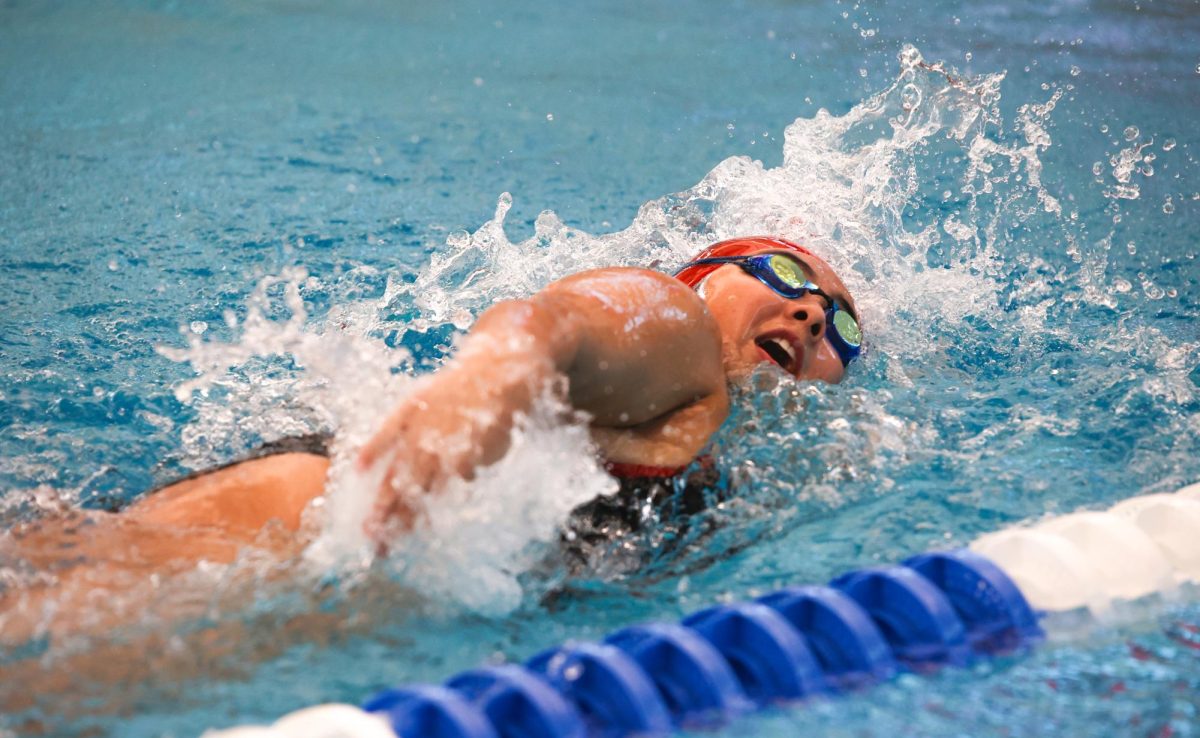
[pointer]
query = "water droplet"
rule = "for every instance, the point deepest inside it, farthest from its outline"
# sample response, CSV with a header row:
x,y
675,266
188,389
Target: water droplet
x,y
1169,206
1131,133
910,96
1131,247
1097,169
1198,69
198,326
793,55
771,34
910,57
478,81
1146,170
550,117
461,319
1122,285
113,265
1104,128
1075,71
862,73
967,56
1168,144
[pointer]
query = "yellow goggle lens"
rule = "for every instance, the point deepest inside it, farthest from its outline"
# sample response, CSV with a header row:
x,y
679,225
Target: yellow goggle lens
x,y
788,271
847,327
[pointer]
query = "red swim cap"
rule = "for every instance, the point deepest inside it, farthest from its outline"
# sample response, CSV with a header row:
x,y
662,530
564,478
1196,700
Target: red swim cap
x,y
692,275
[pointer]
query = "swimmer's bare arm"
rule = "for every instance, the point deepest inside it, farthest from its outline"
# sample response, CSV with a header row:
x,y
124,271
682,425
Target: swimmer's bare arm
x,y
636,350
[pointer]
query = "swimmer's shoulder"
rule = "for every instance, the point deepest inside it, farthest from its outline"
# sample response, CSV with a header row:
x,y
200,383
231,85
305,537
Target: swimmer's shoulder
x,y
625,276
625,290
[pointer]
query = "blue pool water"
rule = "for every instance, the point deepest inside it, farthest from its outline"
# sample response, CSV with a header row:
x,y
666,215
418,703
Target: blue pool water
x,y
1020,229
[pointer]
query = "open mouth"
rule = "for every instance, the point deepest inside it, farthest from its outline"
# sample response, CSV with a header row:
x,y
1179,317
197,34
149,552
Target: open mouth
x,y
780,351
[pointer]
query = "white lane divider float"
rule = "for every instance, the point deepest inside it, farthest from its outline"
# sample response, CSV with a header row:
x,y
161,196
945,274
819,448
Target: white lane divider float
x,y
1141,546
321,721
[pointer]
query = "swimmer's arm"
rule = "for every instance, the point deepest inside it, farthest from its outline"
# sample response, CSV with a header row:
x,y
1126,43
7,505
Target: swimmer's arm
x,y
670,441
635,349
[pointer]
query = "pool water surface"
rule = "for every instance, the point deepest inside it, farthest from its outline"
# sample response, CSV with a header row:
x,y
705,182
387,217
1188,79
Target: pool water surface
x,y
223,223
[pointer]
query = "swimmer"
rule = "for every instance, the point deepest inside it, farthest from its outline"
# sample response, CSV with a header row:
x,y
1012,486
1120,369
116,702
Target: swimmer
x,y
647,356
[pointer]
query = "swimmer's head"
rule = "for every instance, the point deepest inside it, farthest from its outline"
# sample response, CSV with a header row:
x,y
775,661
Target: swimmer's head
x,y
759,323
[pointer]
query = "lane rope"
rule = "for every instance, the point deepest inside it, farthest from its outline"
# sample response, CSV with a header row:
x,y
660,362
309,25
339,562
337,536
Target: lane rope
x,y
943,608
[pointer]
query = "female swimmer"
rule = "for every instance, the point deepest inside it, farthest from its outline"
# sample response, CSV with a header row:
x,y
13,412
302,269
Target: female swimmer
x,y
647,356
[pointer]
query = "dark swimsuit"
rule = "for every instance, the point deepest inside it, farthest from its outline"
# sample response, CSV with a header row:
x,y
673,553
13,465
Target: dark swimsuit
x,y
650,498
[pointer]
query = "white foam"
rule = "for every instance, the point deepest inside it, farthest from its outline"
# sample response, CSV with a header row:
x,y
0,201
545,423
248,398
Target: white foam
x,y
476,538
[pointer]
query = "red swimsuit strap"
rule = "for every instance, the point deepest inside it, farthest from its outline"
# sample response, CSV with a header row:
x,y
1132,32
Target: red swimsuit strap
x,y
641,471
621,470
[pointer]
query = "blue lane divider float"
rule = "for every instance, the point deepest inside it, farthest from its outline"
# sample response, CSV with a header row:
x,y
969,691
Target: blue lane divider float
x,y
519,702
993,611
847,643
695,681
917,620
937,609
771,659
614,693
431,712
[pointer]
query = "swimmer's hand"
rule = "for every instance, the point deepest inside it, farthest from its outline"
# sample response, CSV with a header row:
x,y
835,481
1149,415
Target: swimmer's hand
x,y
460,419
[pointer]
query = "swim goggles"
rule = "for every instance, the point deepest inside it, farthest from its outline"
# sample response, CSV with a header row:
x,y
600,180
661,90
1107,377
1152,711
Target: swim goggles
x,y
786,277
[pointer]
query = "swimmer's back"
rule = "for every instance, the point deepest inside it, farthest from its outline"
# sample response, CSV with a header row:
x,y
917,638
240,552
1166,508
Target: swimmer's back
x,y
239,499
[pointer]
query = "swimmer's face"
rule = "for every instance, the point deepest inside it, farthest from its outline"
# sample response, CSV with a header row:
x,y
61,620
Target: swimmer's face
x,y
758,325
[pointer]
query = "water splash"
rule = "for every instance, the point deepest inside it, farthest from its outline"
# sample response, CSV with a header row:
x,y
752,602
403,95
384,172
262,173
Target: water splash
x,y
919,196
476,539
